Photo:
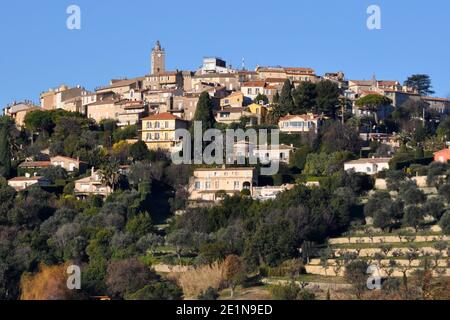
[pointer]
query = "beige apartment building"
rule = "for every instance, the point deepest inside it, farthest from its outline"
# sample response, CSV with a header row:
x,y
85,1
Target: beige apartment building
x,y
158,131
229,115
207,182
19,110
132,112
264,153
440,105
55,98
161,99
248,75
164,80
375,85
104,109
73,105
120,87
234,100
230,81
185,104
293,74
252,89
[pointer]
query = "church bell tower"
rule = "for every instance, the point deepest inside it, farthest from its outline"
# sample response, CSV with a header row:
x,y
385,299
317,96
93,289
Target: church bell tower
x,y
158,59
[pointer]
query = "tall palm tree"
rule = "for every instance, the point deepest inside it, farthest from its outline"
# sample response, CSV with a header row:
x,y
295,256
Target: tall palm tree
x,y
109,173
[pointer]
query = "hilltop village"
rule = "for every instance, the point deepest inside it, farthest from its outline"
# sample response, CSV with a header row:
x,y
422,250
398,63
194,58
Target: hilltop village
x,y
363,181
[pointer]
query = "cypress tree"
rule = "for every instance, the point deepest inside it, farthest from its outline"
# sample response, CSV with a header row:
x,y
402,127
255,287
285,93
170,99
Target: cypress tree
x,y
5,150
204,111
276,98
286,101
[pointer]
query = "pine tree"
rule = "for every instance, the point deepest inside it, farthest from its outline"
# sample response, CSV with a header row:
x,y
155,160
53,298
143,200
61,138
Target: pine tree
x,y
304,97
421,83
286,101
204,112
327,100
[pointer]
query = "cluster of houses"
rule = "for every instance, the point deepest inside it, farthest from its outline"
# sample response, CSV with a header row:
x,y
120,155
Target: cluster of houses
x,y
93,184
164,101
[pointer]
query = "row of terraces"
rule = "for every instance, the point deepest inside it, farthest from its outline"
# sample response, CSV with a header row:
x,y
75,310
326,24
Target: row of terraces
x,y
392,255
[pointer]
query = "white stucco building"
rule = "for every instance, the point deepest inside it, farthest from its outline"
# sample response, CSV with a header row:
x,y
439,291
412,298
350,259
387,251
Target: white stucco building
x,y
368,166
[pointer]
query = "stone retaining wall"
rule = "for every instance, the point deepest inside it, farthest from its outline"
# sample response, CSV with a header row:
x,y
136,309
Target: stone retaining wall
x,y
387,239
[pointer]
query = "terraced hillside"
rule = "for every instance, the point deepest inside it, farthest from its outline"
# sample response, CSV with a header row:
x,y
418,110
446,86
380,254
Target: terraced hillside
x,y
394,255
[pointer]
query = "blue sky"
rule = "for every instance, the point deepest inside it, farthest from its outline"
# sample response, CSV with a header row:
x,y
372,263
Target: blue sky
x,y
39,52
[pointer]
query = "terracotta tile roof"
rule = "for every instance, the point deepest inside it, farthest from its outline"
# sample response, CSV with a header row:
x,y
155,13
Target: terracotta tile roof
x,y
436,99
67,158
276,80
22,107
35,164
163,116
254,84
362,82
119,83
302,116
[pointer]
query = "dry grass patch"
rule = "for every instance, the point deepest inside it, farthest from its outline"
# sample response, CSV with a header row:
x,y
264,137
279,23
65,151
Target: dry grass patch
x,y
196,281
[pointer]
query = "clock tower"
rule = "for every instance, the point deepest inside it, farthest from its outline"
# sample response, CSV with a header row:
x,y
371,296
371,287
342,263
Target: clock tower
x,y
158,59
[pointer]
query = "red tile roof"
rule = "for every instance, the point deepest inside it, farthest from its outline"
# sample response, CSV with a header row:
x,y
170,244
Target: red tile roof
x,y
277,80
35,164
436,99
163,116
302,116
254,84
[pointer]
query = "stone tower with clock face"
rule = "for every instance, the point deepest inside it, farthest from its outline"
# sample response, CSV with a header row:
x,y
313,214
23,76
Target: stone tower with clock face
x,y
158,59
